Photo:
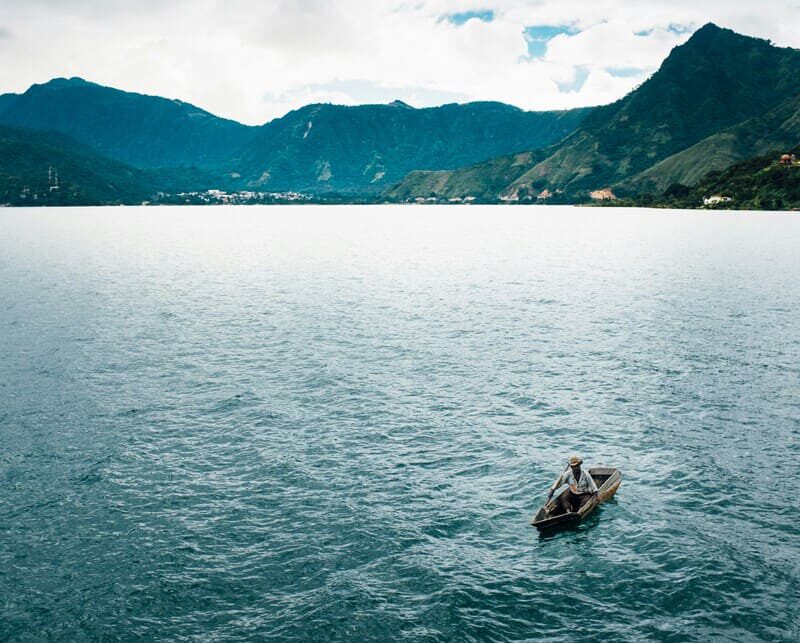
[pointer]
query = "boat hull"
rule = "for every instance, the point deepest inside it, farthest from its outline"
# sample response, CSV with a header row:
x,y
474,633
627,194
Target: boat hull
x,y
608,481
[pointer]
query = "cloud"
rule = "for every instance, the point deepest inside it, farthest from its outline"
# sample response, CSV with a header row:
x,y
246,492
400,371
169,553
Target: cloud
x,y
538,37
577,82
254,60
613,44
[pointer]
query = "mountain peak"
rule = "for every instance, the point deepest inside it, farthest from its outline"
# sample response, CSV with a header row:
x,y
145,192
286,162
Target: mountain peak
x,y
708,28
398,103
711,50
74,81
712,35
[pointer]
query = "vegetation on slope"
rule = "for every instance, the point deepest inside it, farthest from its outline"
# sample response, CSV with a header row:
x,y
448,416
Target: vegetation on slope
x,y
761,183
320,149
482,181
716,100
714,81
777,129
142,131
365,149
48,168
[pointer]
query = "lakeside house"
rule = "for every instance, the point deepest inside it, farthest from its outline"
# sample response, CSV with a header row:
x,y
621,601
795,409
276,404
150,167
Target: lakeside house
x,y
788,159
603,195
716,199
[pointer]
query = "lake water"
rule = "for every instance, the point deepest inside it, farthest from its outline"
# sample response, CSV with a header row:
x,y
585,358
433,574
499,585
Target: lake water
x,y
333,423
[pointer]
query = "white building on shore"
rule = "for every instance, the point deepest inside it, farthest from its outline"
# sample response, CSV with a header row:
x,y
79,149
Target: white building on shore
x,y
716,199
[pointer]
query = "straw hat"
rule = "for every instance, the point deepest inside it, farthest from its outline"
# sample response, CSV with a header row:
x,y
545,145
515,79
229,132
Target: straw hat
x,y
574,461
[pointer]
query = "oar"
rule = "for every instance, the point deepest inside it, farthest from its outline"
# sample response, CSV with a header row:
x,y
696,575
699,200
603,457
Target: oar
x,y
549,504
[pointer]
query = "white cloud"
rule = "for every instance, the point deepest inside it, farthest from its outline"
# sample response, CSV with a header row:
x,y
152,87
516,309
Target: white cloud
x,y
254,60
612,44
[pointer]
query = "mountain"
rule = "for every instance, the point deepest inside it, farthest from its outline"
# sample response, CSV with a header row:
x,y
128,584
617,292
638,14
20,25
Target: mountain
x,y
6,100
482,181
716,80
318,148
33,163
365,149
719,87
778,129
716,100
142,131
760,183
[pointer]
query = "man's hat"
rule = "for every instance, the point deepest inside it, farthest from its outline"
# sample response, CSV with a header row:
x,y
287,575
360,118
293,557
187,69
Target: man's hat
x,y
574,461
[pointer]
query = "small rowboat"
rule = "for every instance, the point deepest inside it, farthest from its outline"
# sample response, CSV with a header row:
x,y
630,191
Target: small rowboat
x,y
551,515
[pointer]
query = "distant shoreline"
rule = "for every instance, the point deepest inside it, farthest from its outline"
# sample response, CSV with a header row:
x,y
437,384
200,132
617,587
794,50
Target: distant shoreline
x,y
306,204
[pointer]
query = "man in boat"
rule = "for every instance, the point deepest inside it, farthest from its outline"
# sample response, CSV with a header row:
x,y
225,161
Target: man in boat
x,y
581,486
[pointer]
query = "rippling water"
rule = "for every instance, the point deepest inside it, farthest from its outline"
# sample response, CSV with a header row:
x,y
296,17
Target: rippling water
x,y
334,423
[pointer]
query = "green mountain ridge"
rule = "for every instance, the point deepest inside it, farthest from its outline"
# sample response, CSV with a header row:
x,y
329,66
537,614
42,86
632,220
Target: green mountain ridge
x,y
30,161
317,148
777,129
717,79
729,95
135,129
365,149
49,168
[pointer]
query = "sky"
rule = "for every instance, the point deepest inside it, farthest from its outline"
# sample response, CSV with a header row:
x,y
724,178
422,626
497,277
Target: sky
x,y
254,60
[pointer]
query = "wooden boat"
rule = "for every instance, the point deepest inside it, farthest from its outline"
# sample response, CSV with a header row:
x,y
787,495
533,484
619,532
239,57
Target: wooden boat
x,y
551,515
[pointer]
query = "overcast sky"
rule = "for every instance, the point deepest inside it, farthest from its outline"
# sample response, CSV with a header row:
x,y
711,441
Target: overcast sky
x,y
253,60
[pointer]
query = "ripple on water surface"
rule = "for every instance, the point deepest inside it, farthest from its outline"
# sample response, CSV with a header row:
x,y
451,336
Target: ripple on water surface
x,y
333,424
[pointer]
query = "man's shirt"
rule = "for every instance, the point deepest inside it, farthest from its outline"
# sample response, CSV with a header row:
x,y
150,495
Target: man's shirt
x,y
585,485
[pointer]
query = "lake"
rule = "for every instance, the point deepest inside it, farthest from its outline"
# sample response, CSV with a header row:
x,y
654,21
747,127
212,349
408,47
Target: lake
x,y
334,423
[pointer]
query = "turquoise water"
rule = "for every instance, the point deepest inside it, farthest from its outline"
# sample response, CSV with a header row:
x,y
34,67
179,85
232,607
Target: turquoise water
x,y
317,424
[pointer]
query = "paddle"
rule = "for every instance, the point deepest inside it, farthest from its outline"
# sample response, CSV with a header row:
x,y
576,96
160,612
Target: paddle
x,y
549,503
